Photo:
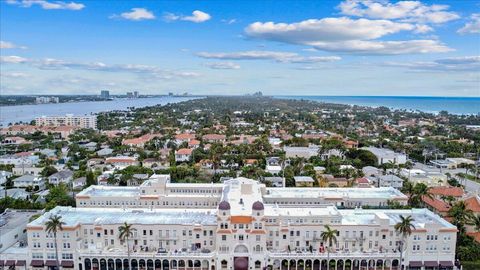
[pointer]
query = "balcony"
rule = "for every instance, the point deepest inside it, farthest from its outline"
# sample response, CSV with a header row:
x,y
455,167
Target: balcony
x,y
336,254
145,253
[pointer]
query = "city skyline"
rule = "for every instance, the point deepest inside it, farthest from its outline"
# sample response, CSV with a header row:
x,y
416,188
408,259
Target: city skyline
x,y
428,48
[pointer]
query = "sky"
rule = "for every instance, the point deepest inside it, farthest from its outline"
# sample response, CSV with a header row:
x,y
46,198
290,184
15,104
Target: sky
x,y
357,47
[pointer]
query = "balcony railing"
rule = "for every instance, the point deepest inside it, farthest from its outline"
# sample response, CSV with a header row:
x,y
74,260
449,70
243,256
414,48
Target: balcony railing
x,y
333,254
144,254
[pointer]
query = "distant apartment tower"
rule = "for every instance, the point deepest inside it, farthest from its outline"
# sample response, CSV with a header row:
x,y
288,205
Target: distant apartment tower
x,y
129,95
67,120
105,94
135,94
44,100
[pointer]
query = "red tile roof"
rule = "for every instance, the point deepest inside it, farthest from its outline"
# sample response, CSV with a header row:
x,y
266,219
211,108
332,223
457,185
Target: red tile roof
x,y
185,136
362,180
437,204
184,151
473,203
447,191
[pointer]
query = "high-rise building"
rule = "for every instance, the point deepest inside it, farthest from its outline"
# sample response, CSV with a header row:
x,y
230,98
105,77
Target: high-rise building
x,y
135,94
105,94
129,95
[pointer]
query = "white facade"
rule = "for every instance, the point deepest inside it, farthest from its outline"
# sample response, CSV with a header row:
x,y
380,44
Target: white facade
x,y
385,156
67,120
29,181
158,192
243,228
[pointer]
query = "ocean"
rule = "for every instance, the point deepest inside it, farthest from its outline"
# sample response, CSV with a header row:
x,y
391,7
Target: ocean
x,y
453,105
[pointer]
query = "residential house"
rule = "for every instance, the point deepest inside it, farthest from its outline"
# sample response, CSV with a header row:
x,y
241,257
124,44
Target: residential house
x,y
183,154
21,170
363,182
184,137
303,181
29,181
155,164
214,138
194,144
79,183
275,181
64,176
273,165
389,180
105,152
121,162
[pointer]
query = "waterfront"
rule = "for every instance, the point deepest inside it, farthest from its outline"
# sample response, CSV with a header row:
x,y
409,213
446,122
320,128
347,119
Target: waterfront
x,y
454,105
27,113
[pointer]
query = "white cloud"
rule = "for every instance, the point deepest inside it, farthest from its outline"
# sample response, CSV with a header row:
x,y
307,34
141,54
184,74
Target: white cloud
x,y
282,57
347,35
13,59
136,14
384,47
196,17
463,63
47,5
326,29
408,11
472,26
57,64
10,45
223,65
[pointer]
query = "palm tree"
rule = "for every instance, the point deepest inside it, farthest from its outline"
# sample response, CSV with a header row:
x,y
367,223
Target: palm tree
x,y
460,214
126,232
420,190
52,226
475,222
330,236
404,227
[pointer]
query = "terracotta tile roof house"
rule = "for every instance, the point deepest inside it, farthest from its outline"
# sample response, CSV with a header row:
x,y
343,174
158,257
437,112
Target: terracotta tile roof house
x,y
447,191
214,138
140,141
362,182
183,154
438,206
184,137
473,203
193,143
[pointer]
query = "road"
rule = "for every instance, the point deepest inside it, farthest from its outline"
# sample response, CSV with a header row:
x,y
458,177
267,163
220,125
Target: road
x,y
471,187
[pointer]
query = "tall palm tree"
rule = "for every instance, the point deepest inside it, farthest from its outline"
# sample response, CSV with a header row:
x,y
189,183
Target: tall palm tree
x,y
126,232
404,227
330,236
52,226
420,190
460,214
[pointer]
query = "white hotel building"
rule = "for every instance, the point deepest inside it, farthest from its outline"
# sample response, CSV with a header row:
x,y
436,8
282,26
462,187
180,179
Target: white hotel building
x,y
237,225
67,120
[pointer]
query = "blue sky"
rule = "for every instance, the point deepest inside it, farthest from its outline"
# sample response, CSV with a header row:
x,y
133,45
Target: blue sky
x,y
358,47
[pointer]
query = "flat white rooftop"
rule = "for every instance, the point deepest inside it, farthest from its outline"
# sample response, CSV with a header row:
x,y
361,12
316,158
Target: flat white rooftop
x,y
423,218
105,216
340,193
